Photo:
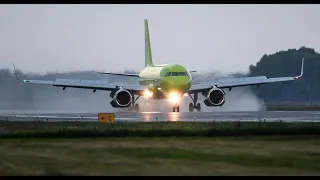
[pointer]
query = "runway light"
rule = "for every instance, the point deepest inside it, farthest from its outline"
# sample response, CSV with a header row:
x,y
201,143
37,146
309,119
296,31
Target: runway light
x,y
147,93
174,97
185,94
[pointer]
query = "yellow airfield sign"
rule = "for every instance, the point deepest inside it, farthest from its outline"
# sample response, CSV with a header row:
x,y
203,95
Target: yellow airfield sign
x,y
106,118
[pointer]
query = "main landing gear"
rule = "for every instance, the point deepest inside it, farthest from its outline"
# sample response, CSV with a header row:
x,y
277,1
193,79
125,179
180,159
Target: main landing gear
x,y
194,105
133,105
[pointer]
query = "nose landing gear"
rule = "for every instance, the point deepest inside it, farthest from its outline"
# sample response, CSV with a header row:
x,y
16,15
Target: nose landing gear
x,y
194,105
176,108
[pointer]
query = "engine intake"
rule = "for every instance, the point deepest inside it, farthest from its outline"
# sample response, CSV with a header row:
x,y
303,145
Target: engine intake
x,y
121,98
215,97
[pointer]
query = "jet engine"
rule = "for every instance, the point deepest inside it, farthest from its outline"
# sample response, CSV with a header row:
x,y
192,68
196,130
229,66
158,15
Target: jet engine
x,y
121,98
214,97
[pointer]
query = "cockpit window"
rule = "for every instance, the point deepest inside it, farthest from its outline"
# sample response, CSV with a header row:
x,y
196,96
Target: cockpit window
x,y
174,74
182,74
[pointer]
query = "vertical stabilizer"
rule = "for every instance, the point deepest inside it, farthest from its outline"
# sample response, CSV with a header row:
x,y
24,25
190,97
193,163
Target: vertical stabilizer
x,y
148,55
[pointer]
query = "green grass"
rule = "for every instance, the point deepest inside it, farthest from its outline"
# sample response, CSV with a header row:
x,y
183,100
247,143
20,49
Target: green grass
x,y
298,155
10,129
159,148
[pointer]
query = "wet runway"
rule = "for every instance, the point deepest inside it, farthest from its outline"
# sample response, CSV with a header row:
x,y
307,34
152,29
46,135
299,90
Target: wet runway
x,y
285,116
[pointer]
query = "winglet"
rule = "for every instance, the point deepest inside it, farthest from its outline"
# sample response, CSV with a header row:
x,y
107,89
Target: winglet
x,y
301,73
16,74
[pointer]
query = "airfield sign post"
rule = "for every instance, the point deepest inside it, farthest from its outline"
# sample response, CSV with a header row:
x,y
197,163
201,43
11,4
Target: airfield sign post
x,y
106,118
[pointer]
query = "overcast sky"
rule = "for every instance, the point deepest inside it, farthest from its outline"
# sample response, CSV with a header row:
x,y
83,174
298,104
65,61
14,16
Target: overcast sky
x,y
227,38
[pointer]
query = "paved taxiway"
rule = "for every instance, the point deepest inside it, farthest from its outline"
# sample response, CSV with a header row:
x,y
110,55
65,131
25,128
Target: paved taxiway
x,y
285,116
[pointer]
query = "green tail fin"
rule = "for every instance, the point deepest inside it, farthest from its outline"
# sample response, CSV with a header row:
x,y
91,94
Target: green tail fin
x,y
148,54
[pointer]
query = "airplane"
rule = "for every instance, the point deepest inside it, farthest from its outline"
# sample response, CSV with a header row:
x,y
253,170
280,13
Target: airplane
x,y
164,81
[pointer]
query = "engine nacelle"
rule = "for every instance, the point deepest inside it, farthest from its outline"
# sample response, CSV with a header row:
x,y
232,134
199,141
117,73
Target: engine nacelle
x,y
121,98
215,97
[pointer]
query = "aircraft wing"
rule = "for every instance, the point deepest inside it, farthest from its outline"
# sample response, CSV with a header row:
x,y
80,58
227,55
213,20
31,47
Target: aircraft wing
x,y
246,81
85,84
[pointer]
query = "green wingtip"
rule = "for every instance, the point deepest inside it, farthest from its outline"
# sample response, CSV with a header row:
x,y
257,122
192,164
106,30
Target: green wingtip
x,y
24,80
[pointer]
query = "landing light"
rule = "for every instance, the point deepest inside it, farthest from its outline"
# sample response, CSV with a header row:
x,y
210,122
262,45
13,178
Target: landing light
x,y
174,97
185,94
147,93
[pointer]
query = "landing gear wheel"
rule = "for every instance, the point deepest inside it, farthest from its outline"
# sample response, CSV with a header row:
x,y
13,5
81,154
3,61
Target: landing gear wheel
x,y
176,109
198,107
190,107
194,105
136,107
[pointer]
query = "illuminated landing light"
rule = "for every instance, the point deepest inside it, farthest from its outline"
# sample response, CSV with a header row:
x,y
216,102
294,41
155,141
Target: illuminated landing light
x,y
159,88
147,94
174,97
185,94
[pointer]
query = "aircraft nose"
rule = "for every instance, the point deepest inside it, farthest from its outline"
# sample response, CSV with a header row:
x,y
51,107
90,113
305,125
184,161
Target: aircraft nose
x,y
182,84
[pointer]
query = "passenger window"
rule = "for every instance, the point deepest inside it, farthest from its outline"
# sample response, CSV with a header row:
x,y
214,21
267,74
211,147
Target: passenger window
x,y
182,74
174,73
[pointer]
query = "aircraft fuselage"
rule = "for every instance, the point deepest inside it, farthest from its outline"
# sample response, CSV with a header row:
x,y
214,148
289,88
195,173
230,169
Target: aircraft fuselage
x,y
163,80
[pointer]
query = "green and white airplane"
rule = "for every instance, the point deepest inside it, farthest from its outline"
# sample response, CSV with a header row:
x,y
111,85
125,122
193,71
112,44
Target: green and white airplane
x,y
167,81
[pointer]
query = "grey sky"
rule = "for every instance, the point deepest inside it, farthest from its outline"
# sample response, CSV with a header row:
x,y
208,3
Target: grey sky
x,y
227,38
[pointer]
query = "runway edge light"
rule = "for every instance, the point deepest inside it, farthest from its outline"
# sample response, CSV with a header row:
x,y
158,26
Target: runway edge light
x,y
106,118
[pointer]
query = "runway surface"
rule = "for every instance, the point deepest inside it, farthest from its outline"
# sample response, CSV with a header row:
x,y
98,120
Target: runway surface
x,y
285,116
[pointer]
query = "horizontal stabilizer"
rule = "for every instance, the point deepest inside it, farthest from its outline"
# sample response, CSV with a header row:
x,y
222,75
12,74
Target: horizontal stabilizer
x,y
120,74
